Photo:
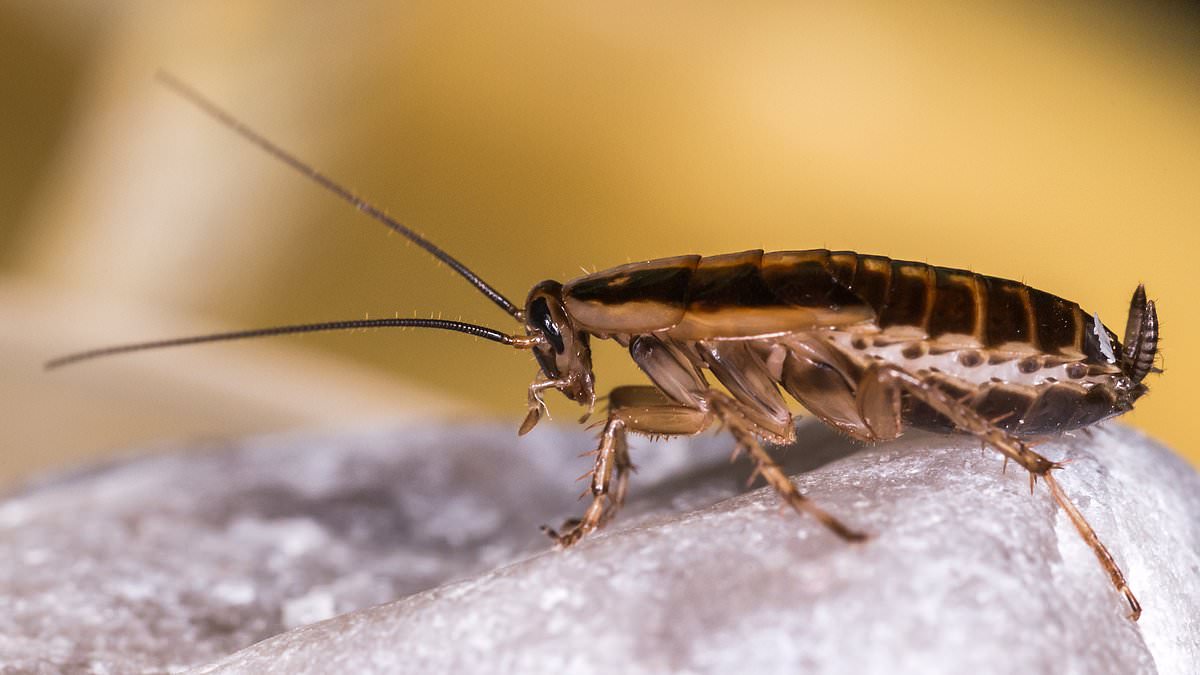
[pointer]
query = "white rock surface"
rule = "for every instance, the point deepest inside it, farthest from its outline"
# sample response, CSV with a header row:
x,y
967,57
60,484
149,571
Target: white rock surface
x,y
183,558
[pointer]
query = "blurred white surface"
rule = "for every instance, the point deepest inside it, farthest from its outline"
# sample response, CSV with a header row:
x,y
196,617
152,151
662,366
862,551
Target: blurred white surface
x,y
182,558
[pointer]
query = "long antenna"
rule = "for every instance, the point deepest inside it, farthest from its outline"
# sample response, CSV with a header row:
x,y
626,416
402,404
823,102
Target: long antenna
x,y
228,120
468,328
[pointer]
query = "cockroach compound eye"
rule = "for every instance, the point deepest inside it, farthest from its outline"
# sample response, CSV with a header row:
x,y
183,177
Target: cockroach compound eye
x,y
869,345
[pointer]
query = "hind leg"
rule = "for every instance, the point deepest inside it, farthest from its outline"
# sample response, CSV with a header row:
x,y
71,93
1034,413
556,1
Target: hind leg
x,y
879,403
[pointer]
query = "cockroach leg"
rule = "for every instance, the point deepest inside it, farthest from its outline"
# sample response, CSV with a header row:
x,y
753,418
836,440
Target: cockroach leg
x,y
620,484
537,406
728,410
881,382
1089,535
878,400
594,517
646,410
639,409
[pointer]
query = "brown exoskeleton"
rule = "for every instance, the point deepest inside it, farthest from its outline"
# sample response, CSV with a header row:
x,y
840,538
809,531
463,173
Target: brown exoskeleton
x,y
868,345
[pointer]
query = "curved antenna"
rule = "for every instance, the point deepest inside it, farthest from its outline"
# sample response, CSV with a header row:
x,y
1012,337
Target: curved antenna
x,y
519,341
231,122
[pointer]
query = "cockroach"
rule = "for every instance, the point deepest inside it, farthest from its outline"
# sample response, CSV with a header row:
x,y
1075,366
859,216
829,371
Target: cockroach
x,y
867,344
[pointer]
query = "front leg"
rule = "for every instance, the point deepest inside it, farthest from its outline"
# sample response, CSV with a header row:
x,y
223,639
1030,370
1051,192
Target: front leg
x,y
640,409
537,406
646,410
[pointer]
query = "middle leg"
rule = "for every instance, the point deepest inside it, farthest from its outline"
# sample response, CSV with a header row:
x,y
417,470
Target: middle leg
x,y
764,465
879,402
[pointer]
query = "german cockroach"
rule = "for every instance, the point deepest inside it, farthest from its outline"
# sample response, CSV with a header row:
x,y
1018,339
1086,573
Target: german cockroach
x,y
867,344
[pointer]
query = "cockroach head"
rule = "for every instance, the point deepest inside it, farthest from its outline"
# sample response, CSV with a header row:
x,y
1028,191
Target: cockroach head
x,y
1141,337
563,352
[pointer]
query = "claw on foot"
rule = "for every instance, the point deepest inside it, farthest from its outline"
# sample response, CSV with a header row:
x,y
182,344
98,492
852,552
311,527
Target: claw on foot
x,y
852,536
572,533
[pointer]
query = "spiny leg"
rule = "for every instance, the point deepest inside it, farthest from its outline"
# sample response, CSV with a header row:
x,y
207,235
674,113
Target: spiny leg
x,y
743,432
611,438
638,409
622,467
1089,535
879,403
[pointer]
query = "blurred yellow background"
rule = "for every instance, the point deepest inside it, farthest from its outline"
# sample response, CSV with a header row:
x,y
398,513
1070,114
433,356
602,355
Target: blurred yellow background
x,y
1058,144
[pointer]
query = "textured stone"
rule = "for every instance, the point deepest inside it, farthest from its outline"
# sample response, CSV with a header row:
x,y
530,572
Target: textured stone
x,y
182,558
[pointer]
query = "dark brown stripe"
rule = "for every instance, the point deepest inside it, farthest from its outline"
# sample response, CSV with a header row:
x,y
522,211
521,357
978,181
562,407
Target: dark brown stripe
x,y
729,281
843,264
1005,406
1053,409
1055,320
920,415
979,288
908,295
1007,318
660,281
1062,407
1030,318
803,279
954,308
1100,403
872,279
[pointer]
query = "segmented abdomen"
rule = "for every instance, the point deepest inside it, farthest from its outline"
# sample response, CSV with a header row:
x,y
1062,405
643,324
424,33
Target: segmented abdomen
x,y
939,301
752,293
